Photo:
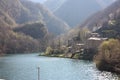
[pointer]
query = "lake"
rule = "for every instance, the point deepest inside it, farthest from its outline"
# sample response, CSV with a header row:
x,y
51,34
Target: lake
x,y
24,67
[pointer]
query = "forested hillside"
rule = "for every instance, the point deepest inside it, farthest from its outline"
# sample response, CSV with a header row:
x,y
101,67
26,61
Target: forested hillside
x,y
11,42
102,16
35,30
23,11
106,21
25,26
38,11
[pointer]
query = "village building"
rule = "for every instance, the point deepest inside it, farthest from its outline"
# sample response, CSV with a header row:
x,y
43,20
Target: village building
x,y
75,45
87,49
94,41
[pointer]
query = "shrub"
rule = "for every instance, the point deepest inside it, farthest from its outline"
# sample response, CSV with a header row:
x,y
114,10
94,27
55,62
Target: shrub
x,y
108,57
49,51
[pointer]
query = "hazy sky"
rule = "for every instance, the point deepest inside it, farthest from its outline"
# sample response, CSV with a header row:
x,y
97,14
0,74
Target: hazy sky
x,y
101,2
104,3
41,1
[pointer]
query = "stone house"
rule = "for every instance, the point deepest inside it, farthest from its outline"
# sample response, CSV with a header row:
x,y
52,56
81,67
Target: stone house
x,y
94,41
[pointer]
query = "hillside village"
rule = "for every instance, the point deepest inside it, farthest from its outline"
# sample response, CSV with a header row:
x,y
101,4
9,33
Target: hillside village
x,y
75,47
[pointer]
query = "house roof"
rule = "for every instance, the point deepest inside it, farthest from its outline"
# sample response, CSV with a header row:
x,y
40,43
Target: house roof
x,y
79,44
97,39
94,38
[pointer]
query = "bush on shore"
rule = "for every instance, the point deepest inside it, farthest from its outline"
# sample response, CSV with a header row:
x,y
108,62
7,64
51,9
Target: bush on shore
x,y
108,57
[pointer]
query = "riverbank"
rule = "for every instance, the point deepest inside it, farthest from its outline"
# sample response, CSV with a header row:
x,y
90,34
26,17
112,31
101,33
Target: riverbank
x,y
74,57
86,55
2,55
70,55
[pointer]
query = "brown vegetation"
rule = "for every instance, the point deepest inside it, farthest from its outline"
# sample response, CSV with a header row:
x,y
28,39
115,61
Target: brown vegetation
x,y
103,16
11,42
23,26
108,57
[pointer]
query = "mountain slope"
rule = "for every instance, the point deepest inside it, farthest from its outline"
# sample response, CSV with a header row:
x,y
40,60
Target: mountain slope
x,y
111,28
54,5
14,14
35,30
6,20
101,17
75,12
15,10
54,24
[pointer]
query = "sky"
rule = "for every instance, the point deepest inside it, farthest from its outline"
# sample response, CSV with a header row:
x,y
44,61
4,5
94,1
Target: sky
x,y
104,3
101,2
41,1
